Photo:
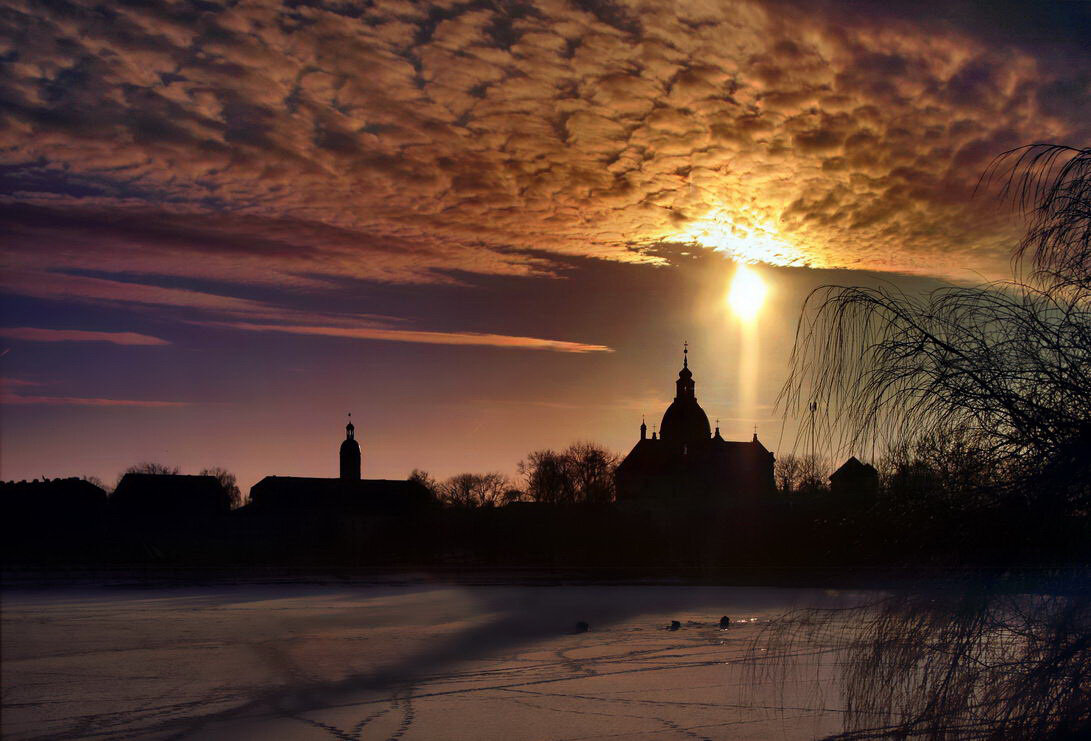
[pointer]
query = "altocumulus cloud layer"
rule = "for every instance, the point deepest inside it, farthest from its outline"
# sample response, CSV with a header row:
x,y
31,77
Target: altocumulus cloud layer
x,y
263,142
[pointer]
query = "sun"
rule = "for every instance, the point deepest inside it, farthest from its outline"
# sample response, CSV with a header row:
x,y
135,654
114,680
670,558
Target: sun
x,y
747,293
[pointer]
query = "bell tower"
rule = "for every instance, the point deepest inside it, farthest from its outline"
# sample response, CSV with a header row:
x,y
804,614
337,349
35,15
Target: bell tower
x,y
350,454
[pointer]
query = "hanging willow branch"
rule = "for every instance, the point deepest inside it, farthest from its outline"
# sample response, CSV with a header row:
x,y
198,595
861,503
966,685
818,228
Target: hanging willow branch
x,y
1004,366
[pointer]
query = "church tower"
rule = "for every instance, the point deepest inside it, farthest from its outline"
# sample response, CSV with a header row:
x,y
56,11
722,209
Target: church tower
x,y
350,455
685,422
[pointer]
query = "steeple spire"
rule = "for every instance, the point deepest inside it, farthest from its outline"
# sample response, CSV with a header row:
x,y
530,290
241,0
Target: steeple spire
x,y
643,428
685,376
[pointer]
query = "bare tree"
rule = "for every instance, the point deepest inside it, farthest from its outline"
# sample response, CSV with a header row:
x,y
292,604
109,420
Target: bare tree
x,y
227,482
1004,366
939,468
582,473
474,490
801,474
96,481
424,479
149,467
154,468
786,472
546,477
591,470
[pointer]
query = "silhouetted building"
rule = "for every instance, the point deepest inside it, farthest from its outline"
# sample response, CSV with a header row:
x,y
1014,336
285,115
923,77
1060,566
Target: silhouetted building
x,y
169,495
346,494
687,462
854,478
50,500
305,494
350,455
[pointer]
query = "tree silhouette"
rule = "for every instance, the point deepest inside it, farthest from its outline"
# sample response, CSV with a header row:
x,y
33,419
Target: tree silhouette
x,y
801,474
1005,366
425,479
153,468
582,473
149,467
228,482
474,490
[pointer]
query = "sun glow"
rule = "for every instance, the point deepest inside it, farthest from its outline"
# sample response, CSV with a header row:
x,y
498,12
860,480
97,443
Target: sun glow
x,y
747,293
746,236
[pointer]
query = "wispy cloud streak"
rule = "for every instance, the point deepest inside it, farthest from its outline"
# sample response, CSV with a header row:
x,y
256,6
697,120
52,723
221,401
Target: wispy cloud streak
x,y
426,337
36,334
15,398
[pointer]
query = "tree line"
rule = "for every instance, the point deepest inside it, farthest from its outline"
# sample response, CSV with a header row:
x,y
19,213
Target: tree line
x,y
582,473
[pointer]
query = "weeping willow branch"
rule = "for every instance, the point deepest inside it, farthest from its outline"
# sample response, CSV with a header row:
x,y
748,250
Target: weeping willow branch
x,y
1005,366
1052,185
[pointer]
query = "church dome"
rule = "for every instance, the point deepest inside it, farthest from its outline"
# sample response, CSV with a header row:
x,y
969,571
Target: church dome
x,y
685,421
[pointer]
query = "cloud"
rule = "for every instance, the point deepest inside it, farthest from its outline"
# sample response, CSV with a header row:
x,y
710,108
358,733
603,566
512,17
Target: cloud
x,y
17,397
290,321
14,398
287,145
17,382
34,334
40,284
433,338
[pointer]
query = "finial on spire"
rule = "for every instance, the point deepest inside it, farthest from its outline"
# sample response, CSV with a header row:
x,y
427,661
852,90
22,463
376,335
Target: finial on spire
x,y
755,434
685,354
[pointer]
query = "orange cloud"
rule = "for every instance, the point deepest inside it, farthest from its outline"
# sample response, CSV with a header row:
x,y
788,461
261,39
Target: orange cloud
x,y
34,334
248,145
432,338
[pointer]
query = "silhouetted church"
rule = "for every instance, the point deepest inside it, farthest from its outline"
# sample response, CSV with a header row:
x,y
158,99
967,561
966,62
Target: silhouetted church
x,y
348,493
687,462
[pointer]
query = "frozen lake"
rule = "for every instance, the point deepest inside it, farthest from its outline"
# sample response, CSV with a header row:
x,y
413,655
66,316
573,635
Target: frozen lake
x,y
410,662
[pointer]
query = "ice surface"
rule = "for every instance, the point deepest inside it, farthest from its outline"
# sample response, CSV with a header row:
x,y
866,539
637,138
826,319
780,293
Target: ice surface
x,y
413,662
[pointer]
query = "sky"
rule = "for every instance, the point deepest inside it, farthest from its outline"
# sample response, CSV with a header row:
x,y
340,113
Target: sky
x,y
483,228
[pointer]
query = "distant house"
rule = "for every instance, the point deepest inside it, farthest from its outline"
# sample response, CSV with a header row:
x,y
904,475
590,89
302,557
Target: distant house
x,y
347,494
169,495
69,500
854,479
687,462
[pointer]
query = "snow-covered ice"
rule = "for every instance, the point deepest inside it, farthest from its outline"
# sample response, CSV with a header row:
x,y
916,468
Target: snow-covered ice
x,y
409,662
